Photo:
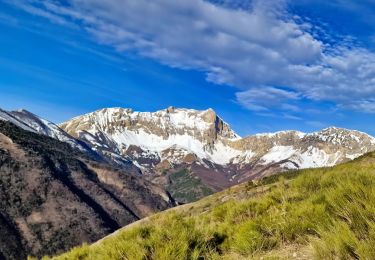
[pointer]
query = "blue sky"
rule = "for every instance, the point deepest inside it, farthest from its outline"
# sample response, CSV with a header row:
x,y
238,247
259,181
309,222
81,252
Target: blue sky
x,y
263,66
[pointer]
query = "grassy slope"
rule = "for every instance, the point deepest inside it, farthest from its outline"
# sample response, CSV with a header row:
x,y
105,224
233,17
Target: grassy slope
x,y
320,213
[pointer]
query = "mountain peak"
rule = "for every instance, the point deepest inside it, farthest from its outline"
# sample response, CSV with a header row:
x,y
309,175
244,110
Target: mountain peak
x,y
116,129
8,116
169,121
343,132
171,109
204,134
335,129
33,123
22,110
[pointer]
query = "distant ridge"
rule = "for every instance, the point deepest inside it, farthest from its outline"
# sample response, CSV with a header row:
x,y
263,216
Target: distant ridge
x,y
193,153
164,142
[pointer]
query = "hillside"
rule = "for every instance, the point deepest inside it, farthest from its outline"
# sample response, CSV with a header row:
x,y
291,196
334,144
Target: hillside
x,y
325,213
32,123
54,197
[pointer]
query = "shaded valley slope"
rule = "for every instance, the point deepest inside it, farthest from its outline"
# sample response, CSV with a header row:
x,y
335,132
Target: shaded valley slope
x,y
54,197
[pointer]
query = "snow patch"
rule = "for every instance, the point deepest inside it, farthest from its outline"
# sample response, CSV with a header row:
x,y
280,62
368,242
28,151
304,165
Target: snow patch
x,y
278,153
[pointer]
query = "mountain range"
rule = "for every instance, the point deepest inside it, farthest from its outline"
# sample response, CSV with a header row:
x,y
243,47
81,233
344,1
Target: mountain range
x,y
193,153
61,185
203,149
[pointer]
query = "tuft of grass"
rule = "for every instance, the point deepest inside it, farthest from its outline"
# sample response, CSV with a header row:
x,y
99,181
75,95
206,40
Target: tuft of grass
x,y
326,213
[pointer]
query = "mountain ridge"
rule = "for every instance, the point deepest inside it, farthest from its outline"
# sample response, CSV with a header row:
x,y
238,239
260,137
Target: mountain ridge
x,y
166,142
116,121
199,147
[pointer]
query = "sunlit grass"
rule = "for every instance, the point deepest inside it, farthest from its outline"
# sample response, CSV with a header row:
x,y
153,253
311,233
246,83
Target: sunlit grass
x,y
330,211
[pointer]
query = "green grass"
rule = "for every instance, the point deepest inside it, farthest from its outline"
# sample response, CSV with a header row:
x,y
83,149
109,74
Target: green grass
x,y
324,213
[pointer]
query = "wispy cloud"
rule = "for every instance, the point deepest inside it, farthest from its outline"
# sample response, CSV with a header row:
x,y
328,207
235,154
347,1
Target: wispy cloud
x,y
255,48
55,79
261,99
7,19
290,116
36,10
316,124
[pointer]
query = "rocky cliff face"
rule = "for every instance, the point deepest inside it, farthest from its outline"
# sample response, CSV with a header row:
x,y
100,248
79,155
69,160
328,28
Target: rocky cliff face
x,y
114,131
323,148
162,143
169,140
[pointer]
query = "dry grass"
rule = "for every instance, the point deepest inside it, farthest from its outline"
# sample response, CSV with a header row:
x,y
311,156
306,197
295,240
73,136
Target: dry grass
x,y
324,213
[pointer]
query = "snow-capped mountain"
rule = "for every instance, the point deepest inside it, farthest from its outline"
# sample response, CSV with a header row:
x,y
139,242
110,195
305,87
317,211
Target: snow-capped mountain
x,y
117,131
30,122
161,141
7,116
198,147
294,150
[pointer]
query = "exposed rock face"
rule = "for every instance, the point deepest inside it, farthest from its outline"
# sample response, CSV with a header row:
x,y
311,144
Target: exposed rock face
x,y
159,144
324,148
112,131
171,139
54,197
204,126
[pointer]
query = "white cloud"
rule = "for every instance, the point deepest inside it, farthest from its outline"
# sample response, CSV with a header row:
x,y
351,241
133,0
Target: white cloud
x,y
316,124
254,49
289,116
363,105
260,99
35,10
